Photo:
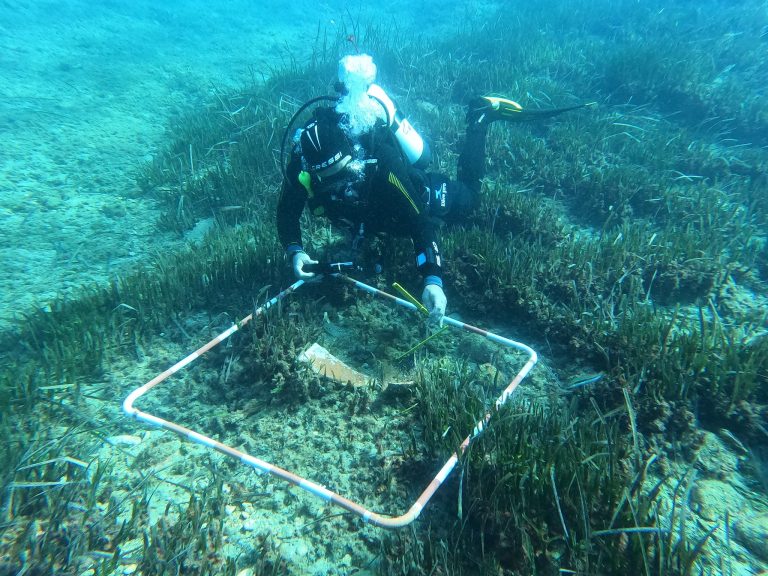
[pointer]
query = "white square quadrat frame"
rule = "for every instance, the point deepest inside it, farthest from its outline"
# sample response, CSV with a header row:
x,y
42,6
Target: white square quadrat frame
x,y
308,485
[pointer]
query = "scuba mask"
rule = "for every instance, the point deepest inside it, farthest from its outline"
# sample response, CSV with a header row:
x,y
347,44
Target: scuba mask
x,y
328,156
343,184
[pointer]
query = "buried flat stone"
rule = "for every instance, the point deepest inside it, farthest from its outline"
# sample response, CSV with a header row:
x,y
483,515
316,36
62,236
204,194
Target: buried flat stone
x,y
326,364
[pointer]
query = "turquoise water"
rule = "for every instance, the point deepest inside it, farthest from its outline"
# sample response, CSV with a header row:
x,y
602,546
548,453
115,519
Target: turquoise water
x,y
649,208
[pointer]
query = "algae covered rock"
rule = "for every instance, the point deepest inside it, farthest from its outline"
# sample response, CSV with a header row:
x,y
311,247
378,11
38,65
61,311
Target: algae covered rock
x,y
752,533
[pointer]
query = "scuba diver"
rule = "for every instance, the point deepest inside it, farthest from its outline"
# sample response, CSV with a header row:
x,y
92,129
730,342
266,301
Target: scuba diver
x,y
359,162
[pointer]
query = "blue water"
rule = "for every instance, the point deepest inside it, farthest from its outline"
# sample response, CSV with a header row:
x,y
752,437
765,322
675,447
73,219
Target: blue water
x,y
88,95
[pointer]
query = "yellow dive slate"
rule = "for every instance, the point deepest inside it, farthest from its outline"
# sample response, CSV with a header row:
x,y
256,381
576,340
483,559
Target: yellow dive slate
x,y
408,296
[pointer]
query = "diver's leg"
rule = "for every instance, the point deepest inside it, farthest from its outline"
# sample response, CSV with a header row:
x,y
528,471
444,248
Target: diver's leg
x,y
471,165
448,200
482,111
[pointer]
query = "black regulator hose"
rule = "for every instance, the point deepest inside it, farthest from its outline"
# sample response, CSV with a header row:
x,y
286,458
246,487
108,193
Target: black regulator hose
x,y
291,122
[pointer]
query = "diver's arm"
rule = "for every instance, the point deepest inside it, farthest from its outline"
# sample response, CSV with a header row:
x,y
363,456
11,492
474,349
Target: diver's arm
x,y
290,205
403,200
429,265
428,260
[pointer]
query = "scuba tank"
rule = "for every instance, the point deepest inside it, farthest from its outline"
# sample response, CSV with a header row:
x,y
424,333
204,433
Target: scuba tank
x,y
413,145
357,80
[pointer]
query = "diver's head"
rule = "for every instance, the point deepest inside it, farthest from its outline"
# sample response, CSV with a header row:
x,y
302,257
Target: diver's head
x,y
326,149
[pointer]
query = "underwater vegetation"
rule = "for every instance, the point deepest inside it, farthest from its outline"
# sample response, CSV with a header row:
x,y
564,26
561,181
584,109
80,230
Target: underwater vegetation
x,y
630,239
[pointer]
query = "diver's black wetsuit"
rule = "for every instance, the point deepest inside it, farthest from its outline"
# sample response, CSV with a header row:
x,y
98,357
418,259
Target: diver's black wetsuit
x,y
393,197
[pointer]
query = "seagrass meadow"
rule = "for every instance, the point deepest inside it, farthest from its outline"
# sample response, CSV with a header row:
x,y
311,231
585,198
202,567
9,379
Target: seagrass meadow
x,y
626,243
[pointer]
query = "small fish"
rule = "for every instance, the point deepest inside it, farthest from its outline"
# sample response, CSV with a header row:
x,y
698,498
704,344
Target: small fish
x,y
581,382
123,440
352,39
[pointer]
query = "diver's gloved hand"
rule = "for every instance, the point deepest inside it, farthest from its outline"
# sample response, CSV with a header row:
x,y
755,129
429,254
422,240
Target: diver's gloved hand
x,y
300,259
434,300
